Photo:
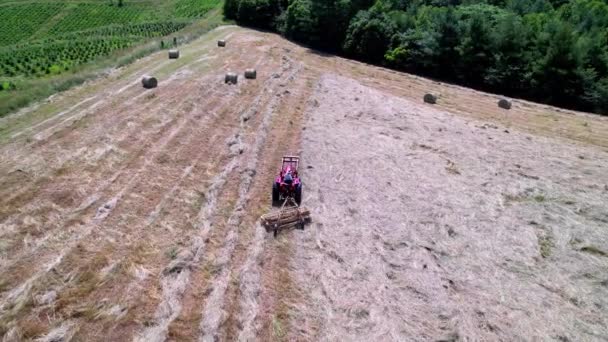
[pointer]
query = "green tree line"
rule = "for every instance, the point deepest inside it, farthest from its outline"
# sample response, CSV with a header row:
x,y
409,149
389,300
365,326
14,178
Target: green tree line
x,y
551,51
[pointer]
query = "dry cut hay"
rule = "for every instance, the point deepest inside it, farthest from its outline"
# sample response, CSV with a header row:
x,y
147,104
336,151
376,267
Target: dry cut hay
x,y
251,74
221,43
173,54
504,104
149,82
430,98
231,78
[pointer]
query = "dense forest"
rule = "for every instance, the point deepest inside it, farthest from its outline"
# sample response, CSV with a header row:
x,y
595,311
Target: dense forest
x,y
552,51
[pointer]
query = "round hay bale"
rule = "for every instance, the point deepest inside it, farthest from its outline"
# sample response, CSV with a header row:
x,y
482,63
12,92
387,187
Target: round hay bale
x,y
251,74
149,82
231,78
504,104
173,54
430,98
221,43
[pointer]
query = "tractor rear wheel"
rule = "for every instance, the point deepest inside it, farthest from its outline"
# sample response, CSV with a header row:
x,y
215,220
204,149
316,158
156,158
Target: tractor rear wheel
x,y
275,194
298,194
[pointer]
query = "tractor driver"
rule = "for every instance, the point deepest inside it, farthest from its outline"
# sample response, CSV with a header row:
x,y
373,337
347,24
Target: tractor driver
x,y
288,179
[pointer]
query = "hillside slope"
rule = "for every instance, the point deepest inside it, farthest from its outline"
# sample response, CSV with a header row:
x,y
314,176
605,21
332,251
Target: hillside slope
x,y
61,34
132,214
46,47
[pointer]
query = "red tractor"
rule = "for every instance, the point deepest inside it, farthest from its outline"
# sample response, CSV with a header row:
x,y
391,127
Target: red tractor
x,y
287,185
287,193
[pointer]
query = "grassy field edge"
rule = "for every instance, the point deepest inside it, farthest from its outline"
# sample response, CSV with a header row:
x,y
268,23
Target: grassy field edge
x,y
35,90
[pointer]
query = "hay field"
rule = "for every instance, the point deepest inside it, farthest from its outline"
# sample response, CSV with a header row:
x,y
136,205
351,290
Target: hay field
x,y
129,214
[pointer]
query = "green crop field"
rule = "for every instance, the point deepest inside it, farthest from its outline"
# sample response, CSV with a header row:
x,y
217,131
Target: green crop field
x,y
40,40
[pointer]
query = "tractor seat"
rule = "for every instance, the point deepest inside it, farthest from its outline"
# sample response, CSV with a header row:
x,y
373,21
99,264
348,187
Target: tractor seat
x,y
288,179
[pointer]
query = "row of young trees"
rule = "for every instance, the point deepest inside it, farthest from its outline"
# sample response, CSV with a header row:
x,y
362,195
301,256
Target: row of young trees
x,y
552,51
